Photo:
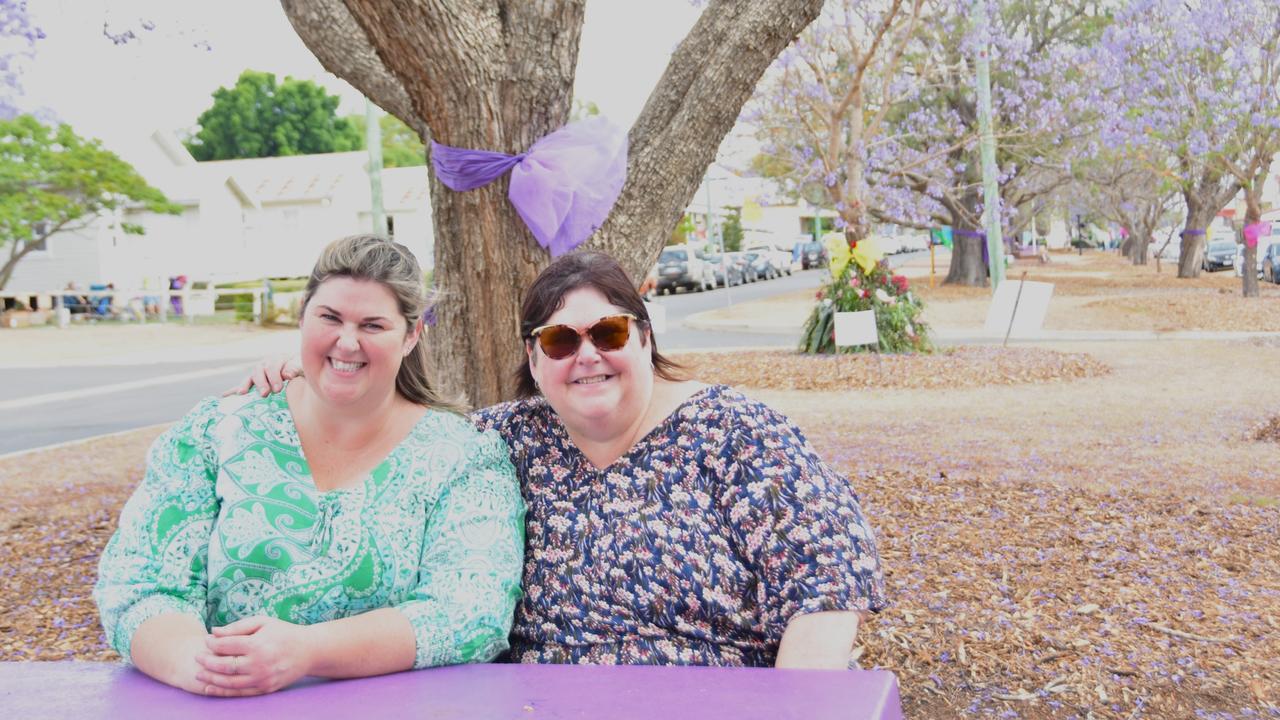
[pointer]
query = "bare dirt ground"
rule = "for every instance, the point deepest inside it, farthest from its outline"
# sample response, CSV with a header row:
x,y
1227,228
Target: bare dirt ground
x,y
1081,530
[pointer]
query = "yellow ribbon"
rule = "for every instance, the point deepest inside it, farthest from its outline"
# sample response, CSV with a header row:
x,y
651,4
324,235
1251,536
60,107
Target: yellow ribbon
x,y
867,254
838,255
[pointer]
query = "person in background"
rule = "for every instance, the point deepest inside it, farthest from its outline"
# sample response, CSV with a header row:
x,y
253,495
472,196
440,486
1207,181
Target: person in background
x,y
177,283
352,524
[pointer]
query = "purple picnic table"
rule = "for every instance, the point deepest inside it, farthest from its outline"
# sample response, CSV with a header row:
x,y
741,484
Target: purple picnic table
x,y
88,691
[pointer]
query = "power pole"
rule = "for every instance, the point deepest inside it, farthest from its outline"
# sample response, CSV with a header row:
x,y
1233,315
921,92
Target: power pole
x,y
373,140
987,145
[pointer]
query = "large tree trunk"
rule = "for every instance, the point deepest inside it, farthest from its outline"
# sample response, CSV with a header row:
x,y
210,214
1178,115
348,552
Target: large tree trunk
x,y
967,265
1211,193
1141,243
1199,215
498,76
1249,270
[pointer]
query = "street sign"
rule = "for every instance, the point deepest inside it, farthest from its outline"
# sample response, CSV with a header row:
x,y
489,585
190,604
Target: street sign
x,y
856,328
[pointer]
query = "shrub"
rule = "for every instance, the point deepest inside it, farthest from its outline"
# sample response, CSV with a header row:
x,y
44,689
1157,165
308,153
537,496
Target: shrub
x,y
897,312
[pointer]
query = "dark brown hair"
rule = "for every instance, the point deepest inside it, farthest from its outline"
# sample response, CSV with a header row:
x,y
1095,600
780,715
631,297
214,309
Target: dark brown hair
x,y
577,270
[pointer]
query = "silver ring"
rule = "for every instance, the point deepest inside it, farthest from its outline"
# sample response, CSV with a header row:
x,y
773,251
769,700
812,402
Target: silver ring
x,y
235,664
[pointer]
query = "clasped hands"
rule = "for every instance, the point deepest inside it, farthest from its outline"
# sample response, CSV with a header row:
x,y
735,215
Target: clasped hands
x,y
252,656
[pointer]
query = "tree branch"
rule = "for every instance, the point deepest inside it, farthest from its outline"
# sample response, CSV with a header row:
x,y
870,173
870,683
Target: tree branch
x,y
332,34
711,75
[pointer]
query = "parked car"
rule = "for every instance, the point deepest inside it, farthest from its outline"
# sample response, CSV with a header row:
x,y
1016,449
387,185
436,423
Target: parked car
x,y
781,258
813,255
1264,244
1220,255
1271,263
680,266
722,266
760,266
740,263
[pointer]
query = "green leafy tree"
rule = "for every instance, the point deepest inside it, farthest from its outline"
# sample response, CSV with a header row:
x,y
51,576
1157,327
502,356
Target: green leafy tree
x,y
401,146
731,232
260,118
52,180
583,109
681,234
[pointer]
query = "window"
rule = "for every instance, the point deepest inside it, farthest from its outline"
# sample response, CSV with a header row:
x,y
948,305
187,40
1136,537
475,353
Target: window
x,y
41,232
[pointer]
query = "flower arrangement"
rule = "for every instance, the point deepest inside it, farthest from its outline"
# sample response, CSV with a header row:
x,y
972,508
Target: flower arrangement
x,y
855,288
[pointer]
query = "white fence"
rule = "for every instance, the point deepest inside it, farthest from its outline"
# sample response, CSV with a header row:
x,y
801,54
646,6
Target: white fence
x,y
137,304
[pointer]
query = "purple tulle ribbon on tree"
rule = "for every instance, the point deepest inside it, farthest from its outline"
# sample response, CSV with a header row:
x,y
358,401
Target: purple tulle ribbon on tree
x,y
1254,231
563,187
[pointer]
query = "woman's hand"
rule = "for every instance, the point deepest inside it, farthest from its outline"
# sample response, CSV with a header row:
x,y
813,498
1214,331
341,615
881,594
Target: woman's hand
x,y
254,656
269,377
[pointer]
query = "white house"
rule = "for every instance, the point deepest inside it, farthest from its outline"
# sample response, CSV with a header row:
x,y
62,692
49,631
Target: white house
x,y
241,219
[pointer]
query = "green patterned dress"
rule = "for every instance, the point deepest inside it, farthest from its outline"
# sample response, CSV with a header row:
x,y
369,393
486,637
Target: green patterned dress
x,y
227,523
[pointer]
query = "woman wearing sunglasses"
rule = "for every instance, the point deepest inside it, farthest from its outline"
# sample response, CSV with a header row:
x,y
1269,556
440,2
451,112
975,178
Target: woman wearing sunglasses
x,y
350,524
669,522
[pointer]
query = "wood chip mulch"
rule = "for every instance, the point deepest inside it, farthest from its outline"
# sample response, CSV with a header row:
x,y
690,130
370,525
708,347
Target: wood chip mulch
x,y
1208,311
1268,431
961,367
1008,597
1026,600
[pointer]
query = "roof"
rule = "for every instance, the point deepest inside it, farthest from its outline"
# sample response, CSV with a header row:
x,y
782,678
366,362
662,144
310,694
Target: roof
x,y
406,188
296,178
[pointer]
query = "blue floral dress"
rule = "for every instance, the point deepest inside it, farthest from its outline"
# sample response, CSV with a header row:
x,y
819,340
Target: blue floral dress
x,y
228,523
697,547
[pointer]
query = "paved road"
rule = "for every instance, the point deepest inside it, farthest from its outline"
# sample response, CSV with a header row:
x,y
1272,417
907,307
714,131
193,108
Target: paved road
x,y
46,406
681,306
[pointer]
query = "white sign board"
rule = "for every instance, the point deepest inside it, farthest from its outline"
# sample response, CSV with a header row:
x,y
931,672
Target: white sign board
x,y
1033,305
657,317
856,328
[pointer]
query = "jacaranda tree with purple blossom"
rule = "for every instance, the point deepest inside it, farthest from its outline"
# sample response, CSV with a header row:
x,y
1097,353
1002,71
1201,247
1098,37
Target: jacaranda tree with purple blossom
x,y
1042,99
18,39
1198,81
1120,186
826,101
921,167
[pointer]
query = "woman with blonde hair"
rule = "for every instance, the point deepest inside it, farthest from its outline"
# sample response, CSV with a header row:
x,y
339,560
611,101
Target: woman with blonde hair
x,y
349,525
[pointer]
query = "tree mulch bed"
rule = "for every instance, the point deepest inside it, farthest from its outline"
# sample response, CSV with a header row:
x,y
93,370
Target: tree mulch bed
x,y
1268,431
1038,600
1207,311
1033,571
1049,601
961,367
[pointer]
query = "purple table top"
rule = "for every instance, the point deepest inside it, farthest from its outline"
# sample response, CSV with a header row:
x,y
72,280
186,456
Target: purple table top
x,y
88,691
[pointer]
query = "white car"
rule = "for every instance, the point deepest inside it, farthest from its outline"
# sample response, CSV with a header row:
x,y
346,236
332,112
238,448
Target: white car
x,y
781,259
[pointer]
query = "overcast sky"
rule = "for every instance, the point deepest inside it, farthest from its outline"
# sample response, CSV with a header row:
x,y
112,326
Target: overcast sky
x,y
165,77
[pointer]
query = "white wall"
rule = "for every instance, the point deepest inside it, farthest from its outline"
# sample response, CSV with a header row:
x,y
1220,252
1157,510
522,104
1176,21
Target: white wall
x,y
70,257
